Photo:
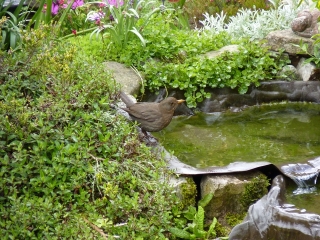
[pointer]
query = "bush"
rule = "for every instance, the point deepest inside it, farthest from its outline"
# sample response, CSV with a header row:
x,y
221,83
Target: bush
x,y
70,167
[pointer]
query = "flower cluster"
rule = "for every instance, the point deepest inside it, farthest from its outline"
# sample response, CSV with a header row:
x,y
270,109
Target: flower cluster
x,y
97,16
57,4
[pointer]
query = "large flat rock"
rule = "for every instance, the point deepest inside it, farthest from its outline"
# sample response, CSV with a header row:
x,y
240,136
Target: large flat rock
x,y
288,41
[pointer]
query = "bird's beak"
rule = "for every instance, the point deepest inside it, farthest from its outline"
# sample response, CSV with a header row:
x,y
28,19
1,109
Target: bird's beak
x,y
181,101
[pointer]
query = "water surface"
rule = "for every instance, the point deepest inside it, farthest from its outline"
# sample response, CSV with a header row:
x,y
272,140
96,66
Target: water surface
x,y
278,133
308,201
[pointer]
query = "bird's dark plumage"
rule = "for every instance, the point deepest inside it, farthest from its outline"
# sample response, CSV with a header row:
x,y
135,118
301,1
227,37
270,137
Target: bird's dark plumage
x,y
151,116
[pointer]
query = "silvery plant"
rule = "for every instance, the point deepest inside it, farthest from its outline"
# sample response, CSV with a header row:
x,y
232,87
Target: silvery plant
x,y
256,24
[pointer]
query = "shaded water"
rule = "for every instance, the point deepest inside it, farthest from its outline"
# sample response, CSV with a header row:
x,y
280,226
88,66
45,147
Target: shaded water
x,y
308,201
278,133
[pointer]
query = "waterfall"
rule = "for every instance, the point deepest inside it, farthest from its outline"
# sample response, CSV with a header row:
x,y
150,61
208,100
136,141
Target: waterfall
x,y
304,175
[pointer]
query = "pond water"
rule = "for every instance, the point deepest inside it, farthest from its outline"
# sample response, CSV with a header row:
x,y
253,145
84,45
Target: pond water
x,y
308,201
279,133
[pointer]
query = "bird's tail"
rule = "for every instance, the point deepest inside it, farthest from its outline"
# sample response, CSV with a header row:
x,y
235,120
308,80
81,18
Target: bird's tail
x,y
126,99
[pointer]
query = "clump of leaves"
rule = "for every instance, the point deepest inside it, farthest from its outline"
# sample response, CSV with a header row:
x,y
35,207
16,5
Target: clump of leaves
x,y
314,54
251,64
195,229
10,24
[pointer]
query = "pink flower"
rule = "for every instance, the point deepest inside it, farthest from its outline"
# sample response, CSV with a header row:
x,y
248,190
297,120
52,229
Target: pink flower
x,y
44,9
74,31
115,3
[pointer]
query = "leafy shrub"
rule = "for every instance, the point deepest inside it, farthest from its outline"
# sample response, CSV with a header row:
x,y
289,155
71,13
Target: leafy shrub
x,y
70,167
196,229
249,65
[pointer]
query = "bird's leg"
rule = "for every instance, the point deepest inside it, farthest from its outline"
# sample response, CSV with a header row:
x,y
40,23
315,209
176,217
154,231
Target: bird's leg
x,y
148,138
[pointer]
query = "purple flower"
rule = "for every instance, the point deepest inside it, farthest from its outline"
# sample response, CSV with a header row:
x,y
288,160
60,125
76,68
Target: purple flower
x,y
55,8
77,3
95,16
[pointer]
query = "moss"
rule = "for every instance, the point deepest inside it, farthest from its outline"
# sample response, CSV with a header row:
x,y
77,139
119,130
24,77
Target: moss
x,y
188,193
234,219
254,190
221,231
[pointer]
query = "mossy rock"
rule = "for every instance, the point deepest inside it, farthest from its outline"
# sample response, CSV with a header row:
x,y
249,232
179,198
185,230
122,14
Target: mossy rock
x,y
233,194
186,190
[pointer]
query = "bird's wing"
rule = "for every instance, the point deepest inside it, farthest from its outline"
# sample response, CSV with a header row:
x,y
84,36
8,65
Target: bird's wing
x,y
149,114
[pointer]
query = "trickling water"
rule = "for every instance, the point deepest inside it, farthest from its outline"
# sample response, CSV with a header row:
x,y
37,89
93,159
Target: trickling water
x,y
304,175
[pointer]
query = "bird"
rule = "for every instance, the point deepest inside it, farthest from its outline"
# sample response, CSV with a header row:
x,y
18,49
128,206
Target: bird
x,y
151,116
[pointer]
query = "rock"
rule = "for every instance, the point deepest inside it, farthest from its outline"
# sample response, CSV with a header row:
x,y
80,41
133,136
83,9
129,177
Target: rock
x,y
227,192
272,218
185,188
229,48
305,70
288,41
127,77
306,23
270,91
289,72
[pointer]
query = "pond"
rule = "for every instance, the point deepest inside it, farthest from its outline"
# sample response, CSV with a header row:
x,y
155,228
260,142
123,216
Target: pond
x,y
308,201
279,133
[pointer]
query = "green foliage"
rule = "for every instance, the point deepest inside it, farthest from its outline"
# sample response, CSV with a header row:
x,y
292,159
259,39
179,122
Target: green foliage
x,y
126,22
164,42
68,21
171,59
254,190
74,22
205,200
89,46
68,163
10,25
314,56
196,229
251,64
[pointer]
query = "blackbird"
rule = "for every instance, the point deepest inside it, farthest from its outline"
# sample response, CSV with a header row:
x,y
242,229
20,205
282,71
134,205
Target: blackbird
x,y
151,116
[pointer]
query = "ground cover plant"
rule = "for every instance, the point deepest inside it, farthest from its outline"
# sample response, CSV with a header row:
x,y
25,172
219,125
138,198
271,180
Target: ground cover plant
x,y
68,162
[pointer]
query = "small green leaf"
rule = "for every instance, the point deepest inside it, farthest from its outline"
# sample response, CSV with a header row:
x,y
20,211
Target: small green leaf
x,y
180,233
199,218
205,200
